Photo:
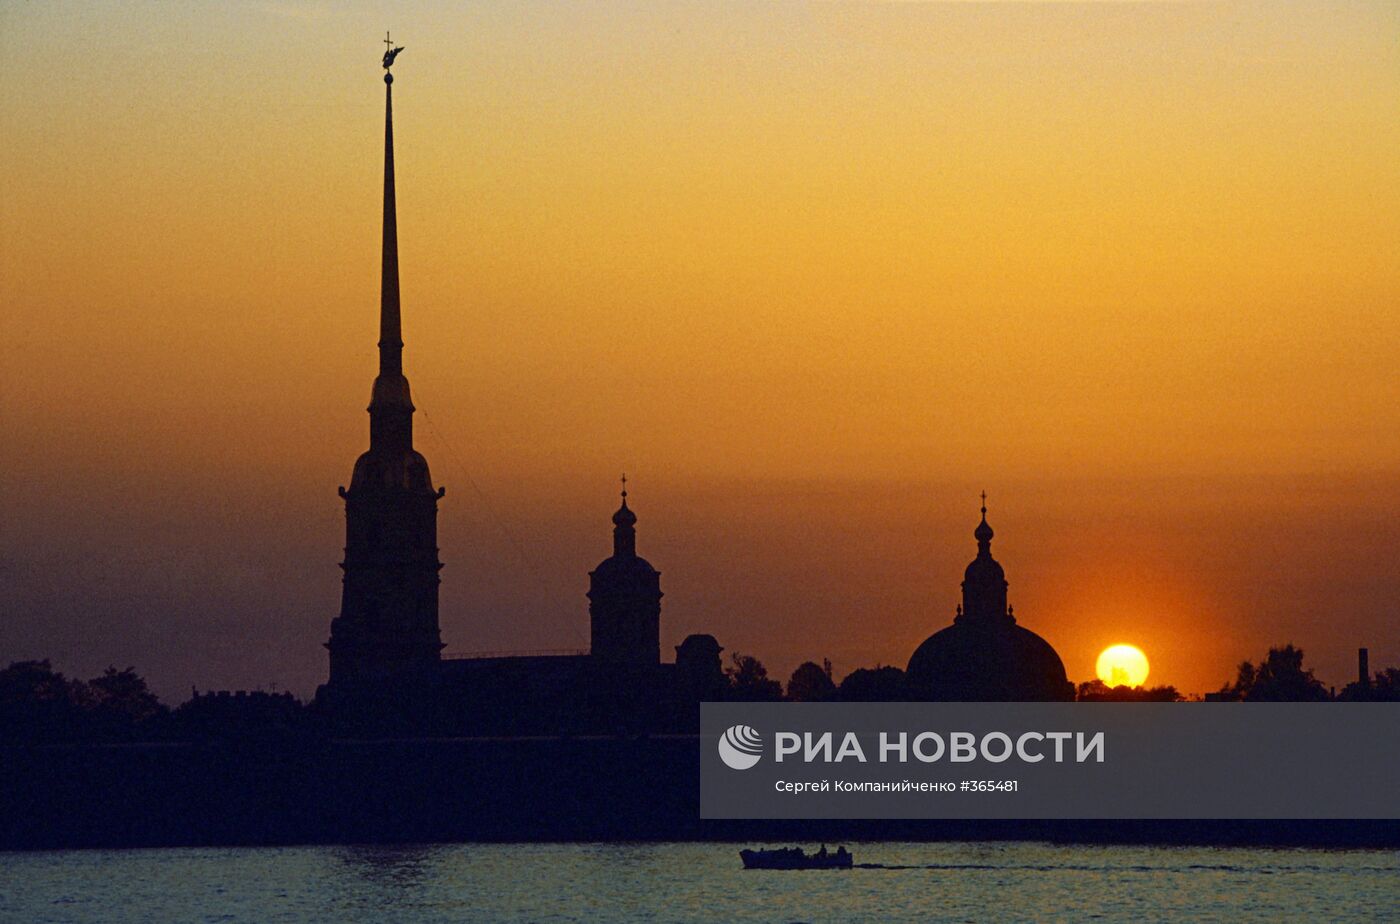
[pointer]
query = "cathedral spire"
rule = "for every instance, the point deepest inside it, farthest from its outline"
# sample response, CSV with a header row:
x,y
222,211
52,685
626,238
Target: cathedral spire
x,y
387,637
390,406
390,334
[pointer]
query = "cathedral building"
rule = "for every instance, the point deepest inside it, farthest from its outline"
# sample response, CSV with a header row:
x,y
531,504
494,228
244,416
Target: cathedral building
x,y
386,649
624,599
387,630
386,644
984,655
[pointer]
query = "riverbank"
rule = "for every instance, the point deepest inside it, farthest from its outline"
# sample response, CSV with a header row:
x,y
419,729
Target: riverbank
x,y
456,790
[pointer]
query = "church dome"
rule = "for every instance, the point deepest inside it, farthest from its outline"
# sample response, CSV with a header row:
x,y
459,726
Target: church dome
x,y
625,570
615,569
984,571
984,655
624,515
969,662
983,532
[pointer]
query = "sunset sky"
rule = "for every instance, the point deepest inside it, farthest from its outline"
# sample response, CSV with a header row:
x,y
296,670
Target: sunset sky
x,y
812,275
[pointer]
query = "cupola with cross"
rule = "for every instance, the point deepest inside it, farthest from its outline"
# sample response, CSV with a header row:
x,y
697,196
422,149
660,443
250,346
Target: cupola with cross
x,y
984,655
624,598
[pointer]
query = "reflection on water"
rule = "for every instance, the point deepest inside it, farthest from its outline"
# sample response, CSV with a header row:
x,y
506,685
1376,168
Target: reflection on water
x,y
387,865
695,882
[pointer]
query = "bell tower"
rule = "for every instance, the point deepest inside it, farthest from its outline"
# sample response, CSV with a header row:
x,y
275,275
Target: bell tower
x,y
387,630
624,599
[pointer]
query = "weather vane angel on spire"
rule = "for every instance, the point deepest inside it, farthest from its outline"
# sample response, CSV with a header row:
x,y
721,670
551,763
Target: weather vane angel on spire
x,y
390,52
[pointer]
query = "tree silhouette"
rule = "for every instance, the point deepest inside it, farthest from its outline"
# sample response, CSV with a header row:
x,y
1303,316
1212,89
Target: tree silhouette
x,y
1279,678
748,681
123,694
34,682
810,683
1096,691
1384,687
873,685
38,703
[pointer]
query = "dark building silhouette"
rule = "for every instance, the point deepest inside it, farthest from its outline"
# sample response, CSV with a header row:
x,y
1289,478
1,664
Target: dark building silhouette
x,y
624,598
385,646
387,631
984,655
386,650
698,667
619,684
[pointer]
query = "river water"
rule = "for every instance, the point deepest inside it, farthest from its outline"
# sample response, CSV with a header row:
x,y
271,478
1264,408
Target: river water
x,y
701,882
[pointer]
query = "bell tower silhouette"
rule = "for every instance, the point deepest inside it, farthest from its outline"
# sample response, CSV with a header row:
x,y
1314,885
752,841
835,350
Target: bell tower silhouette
x,y
387,629
624,598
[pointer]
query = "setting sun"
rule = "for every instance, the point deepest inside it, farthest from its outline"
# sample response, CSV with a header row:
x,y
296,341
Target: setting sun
x,y
1122,666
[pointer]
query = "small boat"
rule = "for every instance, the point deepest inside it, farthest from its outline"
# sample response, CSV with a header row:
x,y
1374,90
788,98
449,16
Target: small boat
x,y
796,858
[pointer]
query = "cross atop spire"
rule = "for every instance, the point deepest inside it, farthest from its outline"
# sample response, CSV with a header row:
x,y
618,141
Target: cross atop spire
x,y
390,53
624,487
984,504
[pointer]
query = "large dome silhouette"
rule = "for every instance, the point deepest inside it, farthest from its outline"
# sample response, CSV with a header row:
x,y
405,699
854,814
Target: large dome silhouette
x,y
984,656
976,664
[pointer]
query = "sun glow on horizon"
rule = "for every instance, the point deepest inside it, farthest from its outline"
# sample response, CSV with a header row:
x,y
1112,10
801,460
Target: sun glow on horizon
x,y
1122,666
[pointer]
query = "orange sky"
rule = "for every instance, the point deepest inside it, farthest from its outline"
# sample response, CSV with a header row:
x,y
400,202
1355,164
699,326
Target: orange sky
x,y
812,274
